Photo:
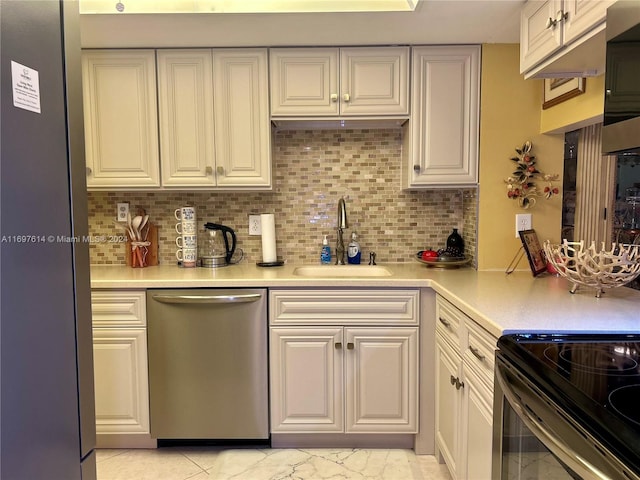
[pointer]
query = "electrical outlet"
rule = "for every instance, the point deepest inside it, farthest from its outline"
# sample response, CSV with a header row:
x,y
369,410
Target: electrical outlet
x,y
523,222
255,225
123,211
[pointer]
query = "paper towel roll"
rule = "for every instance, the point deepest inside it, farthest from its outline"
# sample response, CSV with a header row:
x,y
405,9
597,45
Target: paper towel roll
x,y
268,225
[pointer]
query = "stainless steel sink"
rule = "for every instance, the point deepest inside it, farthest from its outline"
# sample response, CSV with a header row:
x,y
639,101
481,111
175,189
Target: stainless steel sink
x,y
341,271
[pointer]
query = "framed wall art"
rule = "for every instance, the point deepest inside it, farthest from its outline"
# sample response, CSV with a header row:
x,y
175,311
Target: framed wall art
x,y
534,251
557,90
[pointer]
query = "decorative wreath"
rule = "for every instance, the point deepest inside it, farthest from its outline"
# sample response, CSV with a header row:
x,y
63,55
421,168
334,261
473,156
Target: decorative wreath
x,y
521,186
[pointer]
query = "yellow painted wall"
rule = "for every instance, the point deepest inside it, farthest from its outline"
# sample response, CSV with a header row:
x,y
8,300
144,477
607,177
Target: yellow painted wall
x,y
577,112
510,115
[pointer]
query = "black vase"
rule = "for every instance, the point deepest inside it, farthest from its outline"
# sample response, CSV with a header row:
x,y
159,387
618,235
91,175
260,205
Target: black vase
x,y
455,244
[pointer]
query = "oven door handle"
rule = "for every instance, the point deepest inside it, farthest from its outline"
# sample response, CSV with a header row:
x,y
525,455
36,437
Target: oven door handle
x,y
565,453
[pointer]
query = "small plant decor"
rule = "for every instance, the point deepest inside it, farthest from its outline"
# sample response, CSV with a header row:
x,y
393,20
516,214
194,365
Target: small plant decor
x,y
521,185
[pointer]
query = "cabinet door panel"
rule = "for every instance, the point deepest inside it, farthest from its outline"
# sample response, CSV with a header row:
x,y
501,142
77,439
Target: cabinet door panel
x,y
583,15
243,147
381,379
375,79
303,81
537,41
120,370
121,134
448,365
478,428
185,84
306,379
445,117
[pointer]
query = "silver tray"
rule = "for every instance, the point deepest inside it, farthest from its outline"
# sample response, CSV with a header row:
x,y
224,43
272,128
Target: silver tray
x,y
450,262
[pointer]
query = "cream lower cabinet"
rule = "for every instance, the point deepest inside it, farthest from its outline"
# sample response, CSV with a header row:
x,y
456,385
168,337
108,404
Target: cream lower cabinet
x,y
120,119
441,139
464,394
344,379
120,369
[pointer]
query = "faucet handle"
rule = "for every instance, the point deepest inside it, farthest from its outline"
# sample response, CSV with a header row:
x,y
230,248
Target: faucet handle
x,y
372,258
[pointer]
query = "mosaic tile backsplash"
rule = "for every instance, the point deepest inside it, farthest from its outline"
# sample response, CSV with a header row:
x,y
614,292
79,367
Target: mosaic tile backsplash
x,y
312,169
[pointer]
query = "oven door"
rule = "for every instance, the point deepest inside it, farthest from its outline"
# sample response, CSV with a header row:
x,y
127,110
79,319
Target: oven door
x,y
535,439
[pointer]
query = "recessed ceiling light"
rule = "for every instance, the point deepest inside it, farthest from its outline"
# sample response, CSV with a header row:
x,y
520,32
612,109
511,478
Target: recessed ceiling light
x,y
245,6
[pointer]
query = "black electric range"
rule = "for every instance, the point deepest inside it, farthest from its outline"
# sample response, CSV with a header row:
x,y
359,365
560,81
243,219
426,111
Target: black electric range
x,y
594,379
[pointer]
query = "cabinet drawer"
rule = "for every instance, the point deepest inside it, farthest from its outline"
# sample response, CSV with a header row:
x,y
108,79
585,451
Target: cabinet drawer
x,y
344,307
118,309
480,352
449,322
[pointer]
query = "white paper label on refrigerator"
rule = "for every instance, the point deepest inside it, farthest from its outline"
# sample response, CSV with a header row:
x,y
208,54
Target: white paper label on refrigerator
x,y
26,87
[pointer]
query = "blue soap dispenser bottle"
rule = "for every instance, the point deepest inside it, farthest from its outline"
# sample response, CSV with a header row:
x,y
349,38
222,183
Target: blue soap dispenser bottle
x,y
325,254
353,250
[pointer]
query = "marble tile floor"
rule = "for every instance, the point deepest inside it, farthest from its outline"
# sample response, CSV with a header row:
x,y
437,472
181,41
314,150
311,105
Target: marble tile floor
x,y
200,463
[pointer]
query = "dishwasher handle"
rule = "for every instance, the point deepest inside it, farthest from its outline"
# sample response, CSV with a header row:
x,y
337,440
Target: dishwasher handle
x,y
200,299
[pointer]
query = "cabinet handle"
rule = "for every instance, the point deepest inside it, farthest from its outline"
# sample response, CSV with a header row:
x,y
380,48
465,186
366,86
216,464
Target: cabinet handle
x,y
208,170
346,97
220,170
416,168
476,353
560,16
350,346
459,384
88,171
444,322
453,380
334,97
338,345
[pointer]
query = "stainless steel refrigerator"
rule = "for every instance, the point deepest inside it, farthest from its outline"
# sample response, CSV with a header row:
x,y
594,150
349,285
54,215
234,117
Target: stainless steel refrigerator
x,y
47,422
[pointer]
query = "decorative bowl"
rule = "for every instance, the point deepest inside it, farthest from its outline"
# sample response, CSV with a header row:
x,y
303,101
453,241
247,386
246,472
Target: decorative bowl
x,y
599,269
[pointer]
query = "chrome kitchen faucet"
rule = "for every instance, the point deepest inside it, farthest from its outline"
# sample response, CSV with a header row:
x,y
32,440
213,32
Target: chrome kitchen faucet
x,y
342,224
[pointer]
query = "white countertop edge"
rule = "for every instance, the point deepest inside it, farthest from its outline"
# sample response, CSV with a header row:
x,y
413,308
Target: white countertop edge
x,y
501,304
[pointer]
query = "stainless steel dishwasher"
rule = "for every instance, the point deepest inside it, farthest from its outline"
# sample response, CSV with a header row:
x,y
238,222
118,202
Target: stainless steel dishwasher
x,y
208,363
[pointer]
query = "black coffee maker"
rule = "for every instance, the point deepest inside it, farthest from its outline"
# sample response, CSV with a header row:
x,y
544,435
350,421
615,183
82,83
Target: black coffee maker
x,y
217,245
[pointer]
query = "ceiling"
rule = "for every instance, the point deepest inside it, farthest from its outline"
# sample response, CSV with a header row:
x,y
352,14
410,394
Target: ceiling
x,y
432,22
244,6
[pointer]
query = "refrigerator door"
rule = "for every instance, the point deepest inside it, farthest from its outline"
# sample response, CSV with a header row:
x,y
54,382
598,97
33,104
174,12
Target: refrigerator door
x,y
45,352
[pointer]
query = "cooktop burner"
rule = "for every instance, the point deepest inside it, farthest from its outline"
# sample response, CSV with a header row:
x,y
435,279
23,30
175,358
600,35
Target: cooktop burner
x,y
624,400
603,360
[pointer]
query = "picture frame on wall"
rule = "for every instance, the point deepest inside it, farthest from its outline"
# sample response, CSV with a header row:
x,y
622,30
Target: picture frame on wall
x,y
534,251
557,90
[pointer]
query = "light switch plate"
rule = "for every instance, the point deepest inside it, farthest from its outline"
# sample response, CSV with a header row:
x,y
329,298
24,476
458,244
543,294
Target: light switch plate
x,y
523,222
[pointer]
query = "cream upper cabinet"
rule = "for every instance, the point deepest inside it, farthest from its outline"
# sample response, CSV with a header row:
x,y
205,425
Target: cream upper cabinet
x,y
243,129
120,119
464,393
359,81
185,92
442,141
214,118
563,37
328,376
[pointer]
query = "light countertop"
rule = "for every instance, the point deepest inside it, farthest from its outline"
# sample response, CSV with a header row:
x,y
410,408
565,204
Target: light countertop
x,y
498,302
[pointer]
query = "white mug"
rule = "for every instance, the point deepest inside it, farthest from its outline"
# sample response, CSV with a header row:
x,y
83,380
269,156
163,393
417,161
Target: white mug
x,y
187,241
186,228
187,214
187,256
